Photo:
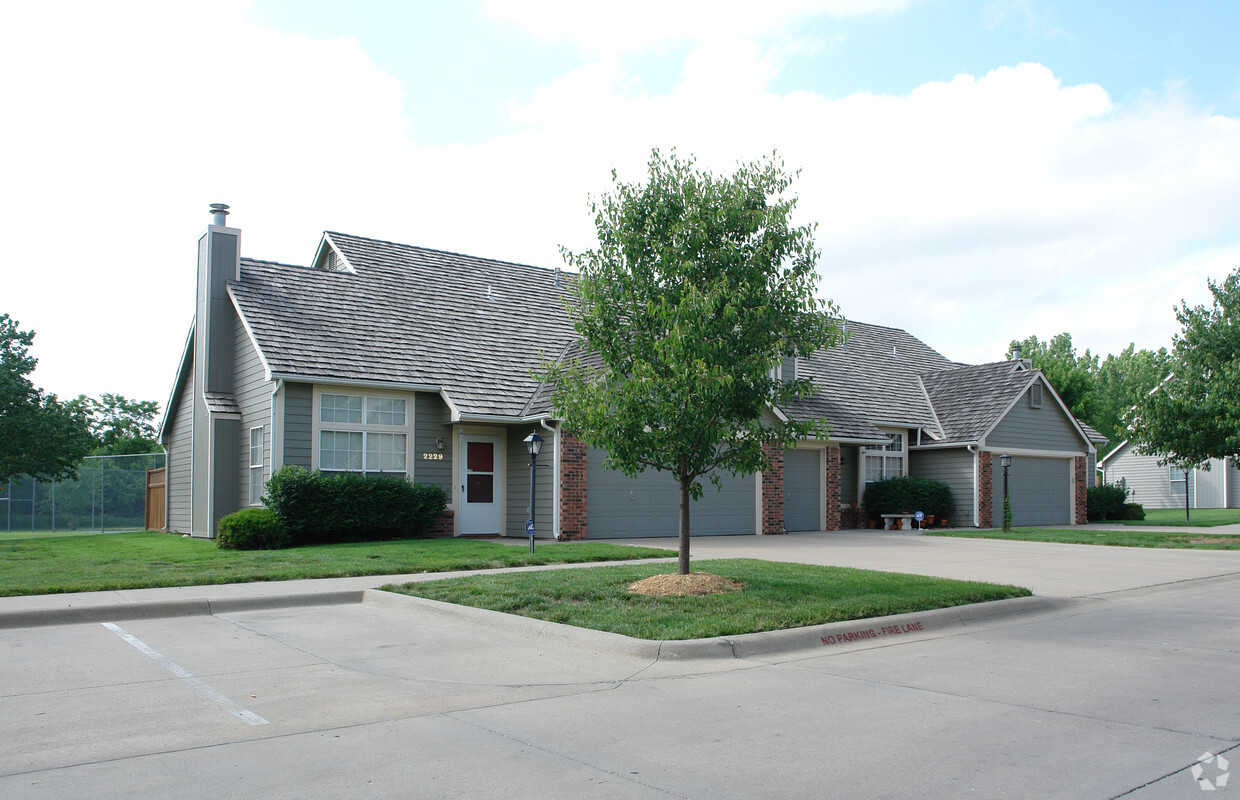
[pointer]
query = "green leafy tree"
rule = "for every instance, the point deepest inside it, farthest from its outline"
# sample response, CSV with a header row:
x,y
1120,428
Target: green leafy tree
x,y
121,426
39,435
1070,374
1120,383
699,286
1195,414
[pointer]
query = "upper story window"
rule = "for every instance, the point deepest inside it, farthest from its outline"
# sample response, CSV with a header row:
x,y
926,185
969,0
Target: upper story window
x,y
363,433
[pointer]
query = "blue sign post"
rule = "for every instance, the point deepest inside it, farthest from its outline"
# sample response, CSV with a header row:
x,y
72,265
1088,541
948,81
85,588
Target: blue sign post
x,y
529,528
919,516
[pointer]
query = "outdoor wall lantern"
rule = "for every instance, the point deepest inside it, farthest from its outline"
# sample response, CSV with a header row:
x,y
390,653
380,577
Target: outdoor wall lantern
x,y
438,442
1005,461
533,446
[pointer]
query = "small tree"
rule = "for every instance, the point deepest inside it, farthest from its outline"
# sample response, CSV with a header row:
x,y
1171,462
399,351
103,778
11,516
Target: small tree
x,y
39,435
1194,415
699,286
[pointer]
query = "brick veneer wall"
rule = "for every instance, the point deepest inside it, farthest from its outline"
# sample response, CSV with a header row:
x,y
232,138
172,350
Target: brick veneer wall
x,y
852,518
572,488
444,526
985,490
831,493
773,492
1082,486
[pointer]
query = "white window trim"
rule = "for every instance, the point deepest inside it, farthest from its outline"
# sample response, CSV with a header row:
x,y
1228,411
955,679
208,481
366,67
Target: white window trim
x,y
256,498
901,454
318,426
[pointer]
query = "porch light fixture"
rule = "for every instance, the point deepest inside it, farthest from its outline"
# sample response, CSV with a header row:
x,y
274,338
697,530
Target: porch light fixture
x,y
439,443
533,446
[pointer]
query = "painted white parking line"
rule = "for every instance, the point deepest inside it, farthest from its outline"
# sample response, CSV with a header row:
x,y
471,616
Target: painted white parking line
x,y
185,675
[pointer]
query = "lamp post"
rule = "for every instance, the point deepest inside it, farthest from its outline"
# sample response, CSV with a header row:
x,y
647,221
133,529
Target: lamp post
x,y
1005,461
533,444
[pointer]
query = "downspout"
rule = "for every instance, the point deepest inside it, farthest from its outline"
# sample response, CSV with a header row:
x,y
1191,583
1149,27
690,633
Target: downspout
x,y
272,410
555,476
973,450
167,494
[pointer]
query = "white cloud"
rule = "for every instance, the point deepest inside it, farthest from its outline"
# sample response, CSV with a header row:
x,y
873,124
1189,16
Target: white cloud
x,y
638,24
969,211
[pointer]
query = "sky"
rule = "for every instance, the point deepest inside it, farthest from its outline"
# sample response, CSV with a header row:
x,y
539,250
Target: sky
x,y
977,172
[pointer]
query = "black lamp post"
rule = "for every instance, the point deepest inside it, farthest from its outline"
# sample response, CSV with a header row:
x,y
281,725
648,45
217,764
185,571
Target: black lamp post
x,y
1005,461
533,444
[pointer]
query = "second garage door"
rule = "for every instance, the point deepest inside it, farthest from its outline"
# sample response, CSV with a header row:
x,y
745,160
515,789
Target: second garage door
x,y
1040,491
619,507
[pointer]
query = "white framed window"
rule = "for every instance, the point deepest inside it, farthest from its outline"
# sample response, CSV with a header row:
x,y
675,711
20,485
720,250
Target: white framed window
x,y
256,466
1177,479
880,464
362,433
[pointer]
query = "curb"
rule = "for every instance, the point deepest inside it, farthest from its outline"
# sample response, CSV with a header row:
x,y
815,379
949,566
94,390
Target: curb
x,y
155,609
826,638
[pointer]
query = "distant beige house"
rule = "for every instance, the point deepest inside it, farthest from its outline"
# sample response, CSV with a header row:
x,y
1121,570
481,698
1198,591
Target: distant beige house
x,y
1155,485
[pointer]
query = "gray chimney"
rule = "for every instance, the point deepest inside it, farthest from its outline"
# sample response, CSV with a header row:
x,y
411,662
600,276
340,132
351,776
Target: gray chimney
x,y
1016,352
218,212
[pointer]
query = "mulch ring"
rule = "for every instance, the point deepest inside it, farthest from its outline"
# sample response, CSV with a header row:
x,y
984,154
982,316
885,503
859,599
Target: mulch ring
x,y
695,583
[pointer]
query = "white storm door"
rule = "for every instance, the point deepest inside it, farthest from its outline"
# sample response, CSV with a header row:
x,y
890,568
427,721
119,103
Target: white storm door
x,y
480,485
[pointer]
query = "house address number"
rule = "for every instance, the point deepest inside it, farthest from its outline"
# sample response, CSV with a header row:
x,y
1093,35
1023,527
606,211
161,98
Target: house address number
x,y
432,456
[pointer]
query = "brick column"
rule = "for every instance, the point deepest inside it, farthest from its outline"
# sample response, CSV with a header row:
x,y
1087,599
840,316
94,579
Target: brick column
x,y
831,495
773,492
1082,487
572,488
985,490
443,526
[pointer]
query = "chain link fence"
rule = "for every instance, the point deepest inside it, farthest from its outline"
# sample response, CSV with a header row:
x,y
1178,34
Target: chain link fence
x,y
109,494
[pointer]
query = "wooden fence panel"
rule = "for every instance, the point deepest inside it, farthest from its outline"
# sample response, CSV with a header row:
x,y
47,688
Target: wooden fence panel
x,y
155,494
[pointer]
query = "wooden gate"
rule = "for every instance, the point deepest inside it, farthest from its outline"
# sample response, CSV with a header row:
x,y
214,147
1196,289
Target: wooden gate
x,y
155,494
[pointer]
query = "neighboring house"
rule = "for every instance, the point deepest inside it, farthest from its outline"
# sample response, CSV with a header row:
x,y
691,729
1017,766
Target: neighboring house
x,y
384,357
1155,485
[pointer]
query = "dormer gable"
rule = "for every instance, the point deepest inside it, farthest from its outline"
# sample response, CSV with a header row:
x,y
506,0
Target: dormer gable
x,y
329,258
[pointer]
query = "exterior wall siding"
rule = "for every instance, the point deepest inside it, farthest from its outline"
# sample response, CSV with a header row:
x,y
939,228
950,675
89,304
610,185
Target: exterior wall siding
x,y
432,420
180,458
253,393
1147,480
298,424
953,467
1045,428
518,468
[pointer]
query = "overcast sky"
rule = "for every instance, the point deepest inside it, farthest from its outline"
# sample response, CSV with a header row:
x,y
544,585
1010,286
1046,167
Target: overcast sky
x,y
978,171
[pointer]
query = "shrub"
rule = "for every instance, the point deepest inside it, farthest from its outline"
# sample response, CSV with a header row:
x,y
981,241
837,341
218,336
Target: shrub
x,y
1134,511
1106,502
897,495
252,529
349,507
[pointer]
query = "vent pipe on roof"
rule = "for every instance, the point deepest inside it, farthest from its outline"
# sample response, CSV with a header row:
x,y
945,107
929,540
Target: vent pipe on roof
x,y
218,212
1016,352
556,282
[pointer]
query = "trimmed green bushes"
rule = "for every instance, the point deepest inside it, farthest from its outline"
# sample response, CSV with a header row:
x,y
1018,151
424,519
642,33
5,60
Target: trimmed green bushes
x,y
906,495
252,529
1106,502
349,507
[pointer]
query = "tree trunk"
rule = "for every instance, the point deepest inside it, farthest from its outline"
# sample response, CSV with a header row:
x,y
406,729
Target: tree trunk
x,y
682,566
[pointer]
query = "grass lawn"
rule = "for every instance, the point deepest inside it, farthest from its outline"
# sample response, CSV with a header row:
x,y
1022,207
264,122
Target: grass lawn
x,y
1121,538
1198,517
47,564
775,596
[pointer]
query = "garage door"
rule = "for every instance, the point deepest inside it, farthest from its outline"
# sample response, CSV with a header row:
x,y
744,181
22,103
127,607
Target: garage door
x,y
802,490
1040,491
618,507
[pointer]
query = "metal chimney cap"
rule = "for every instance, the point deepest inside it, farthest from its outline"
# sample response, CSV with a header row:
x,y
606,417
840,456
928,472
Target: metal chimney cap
x,y
218,212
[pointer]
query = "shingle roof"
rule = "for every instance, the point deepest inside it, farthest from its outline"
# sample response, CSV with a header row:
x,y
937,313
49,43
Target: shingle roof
x,y
969,400
871,378
408,315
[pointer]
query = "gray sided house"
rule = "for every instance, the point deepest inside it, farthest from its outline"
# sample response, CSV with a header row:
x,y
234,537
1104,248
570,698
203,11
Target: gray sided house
x,y
1155,485
387,358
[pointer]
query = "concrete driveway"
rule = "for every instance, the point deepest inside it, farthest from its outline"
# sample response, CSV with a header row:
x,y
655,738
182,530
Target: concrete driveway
x,y
1117,693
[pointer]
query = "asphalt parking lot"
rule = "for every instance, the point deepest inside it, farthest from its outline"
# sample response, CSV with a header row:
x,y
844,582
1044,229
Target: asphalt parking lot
x,y
1117,691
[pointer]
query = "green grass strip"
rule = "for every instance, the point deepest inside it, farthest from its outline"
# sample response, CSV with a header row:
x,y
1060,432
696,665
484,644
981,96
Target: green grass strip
x,y
1197,518
49,564
1116,538
776,596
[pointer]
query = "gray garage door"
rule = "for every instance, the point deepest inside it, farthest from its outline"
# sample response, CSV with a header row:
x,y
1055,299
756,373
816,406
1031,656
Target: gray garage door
x,y
802,490
618,507
1039,489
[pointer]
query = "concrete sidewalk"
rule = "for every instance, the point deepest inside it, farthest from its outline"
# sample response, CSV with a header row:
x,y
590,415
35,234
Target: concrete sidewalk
x,y
1049,570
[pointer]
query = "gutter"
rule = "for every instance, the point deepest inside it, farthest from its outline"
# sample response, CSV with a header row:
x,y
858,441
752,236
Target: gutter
x,y
972,449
